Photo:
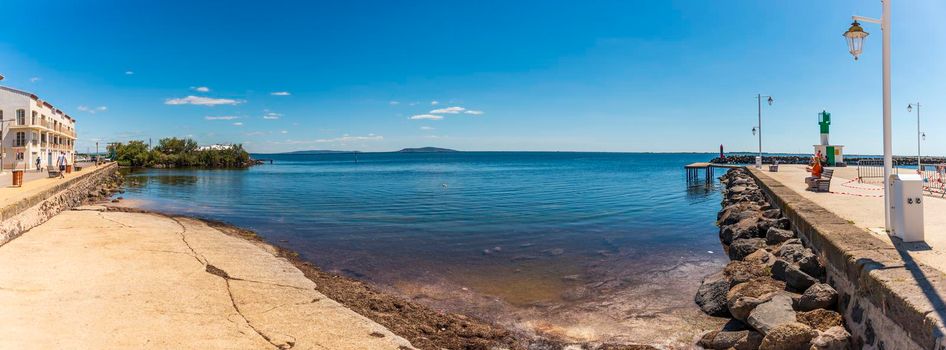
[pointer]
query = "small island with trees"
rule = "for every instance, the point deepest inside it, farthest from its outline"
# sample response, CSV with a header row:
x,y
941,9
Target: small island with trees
x,y
177,153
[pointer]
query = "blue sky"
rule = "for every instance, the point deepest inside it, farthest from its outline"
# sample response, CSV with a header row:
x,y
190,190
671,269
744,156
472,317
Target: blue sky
x,y
625,75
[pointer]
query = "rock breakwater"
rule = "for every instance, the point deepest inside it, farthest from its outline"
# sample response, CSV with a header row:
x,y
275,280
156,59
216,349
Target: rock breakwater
x,y
773,289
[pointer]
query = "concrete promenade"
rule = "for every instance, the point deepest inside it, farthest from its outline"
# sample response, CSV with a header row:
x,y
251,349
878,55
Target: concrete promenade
x,y
892,294
863,205
95,279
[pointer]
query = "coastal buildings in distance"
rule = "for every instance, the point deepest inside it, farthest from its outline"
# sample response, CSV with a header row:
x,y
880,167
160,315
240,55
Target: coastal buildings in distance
x,y
33,128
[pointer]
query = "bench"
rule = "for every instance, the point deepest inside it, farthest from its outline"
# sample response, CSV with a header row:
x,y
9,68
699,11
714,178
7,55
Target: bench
x,y
773,168
53,173
822,184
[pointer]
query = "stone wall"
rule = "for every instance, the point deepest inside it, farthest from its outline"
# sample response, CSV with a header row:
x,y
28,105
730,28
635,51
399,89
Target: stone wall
x,y
29,212
889,301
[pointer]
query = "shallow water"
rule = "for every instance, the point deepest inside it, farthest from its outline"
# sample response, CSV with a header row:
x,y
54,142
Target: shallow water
x,y
591,246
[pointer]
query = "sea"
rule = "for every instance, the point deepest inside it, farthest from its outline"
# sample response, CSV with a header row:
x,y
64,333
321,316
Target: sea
x,y
589,247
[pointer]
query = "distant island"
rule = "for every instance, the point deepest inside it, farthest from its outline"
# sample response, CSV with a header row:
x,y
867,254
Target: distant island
x,y
318,151
427,150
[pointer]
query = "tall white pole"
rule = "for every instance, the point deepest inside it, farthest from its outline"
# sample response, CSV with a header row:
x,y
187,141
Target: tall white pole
x,y
919,164
759,98
888,149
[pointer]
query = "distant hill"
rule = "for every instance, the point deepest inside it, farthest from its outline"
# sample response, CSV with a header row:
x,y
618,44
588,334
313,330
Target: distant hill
x,y
318,151
427,150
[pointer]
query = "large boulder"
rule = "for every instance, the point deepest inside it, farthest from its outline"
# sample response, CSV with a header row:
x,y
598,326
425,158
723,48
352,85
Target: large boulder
x,y
818,296
740,248
791,252
790,336
835,338
776,235
772,214
771,314
744,297
793,277
711,296
820,319
733,213
725,340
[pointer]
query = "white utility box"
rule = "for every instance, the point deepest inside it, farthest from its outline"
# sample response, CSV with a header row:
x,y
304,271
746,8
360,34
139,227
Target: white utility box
x,y
758,162
906,202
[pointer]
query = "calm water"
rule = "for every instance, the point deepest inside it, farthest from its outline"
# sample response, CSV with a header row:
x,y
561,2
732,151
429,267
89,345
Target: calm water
x,y
585,245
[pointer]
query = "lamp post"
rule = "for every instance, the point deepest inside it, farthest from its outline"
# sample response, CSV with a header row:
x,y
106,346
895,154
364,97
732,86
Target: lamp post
x,y
759,126
855,36
919,134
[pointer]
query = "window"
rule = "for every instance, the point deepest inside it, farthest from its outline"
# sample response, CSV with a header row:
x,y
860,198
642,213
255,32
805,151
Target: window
x,y
20,140
20,117
33,119
34,139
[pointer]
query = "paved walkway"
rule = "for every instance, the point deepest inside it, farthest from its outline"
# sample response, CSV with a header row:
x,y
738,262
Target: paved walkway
x,y
34,182
863,205
89,279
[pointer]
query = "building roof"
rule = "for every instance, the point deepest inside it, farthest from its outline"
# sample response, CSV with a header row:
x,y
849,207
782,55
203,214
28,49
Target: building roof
x,y
35,98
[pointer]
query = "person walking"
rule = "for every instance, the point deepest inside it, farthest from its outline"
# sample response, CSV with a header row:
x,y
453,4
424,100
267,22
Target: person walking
x,y
61,161
37,164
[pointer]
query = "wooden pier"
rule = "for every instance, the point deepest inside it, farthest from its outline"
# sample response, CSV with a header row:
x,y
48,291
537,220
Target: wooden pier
x,y
693,170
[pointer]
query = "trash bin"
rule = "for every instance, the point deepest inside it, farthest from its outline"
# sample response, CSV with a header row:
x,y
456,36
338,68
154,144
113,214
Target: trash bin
x,y
68,168
906,207
18,178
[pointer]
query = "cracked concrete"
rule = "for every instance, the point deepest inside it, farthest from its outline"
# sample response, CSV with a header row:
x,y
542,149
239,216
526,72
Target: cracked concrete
x,y
94,279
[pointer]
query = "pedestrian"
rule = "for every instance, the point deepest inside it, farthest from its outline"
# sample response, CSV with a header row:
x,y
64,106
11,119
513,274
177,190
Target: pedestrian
x,y
37,164
62,164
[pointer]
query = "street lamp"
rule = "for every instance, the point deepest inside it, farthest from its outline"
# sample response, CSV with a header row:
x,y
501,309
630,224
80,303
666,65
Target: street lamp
x,y
759,126
919,134
855,36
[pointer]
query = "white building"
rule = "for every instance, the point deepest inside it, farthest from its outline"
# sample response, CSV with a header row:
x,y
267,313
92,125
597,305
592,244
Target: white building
x,y
33,128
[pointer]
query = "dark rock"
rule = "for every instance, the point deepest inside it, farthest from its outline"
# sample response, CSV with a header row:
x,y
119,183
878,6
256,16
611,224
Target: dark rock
x,y
773,313
784,223
792,276
776,235
711,296
818,296
772,213
811,264
792,241
820,319
740,248
791,336
791,252
835,338
724,340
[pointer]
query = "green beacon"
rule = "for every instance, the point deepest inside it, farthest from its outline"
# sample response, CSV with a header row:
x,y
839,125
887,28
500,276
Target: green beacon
x,y
830,153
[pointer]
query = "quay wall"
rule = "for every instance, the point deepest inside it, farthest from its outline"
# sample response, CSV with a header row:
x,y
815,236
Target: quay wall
x,y
25,213
888,300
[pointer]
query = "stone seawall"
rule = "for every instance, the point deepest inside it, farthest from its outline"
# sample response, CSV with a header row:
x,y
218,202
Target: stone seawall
x,y
774,286
23,214
889,301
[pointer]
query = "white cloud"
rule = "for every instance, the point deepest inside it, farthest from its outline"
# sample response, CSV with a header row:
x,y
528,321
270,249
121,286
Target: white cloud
x,y
426,116
202,101
394,103
200,88
34,79
284,132
280,93
238,124
272,116
92,110
224,117
128,72
448,110
473,112
434,103
426,128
